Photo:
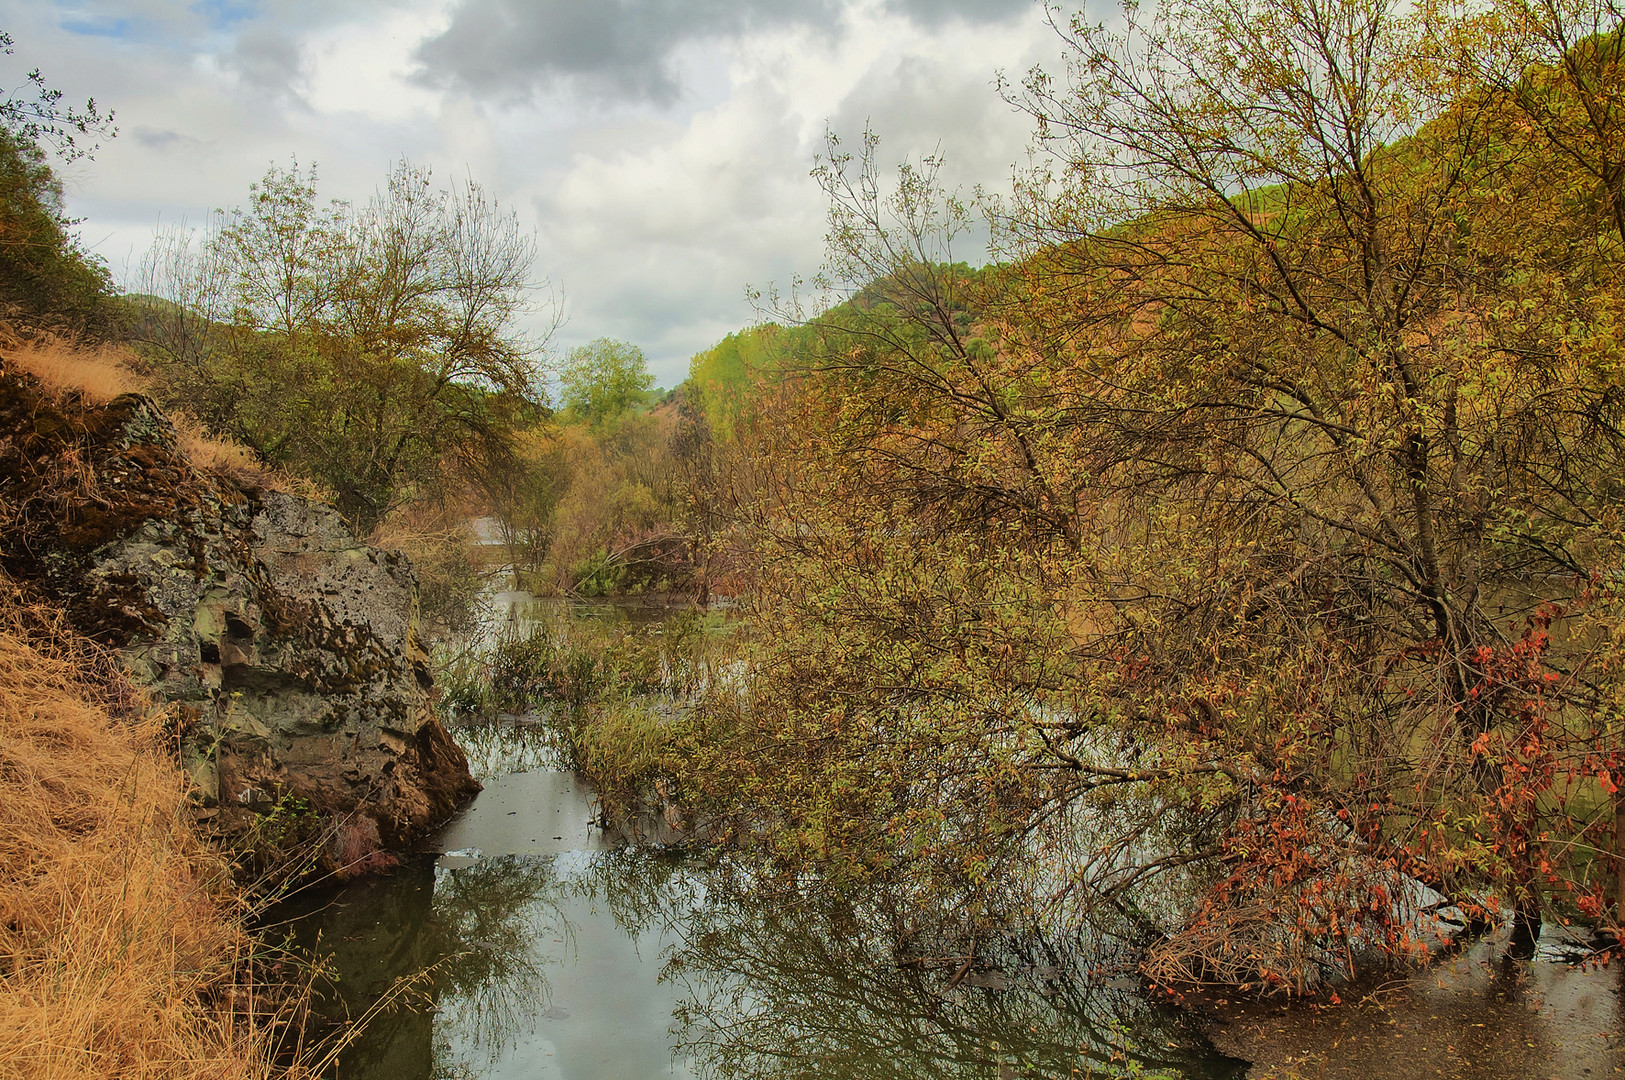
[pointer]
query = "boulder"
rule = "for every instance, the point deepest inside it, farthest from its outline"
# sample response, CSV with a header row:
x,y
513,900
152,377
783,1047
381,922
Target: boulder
x,y
288,650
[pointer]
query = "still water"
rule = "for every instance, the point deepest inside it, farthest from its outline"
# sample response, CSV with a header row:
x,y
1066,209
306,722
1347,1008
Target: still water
x,y
521,941
541,949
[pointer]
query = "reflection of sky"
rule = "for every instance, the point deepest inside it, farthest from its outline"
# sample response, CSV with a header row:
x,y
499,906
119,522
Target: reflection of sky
x,y
608,1015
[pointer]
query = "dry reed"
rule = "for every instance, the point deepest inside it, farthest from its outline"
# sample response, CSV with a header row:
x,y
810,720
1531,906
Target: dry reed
x,y
119,952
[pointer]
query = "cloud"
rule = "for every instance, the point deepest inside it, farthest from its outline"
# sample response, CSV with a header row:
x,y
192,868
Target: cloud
x,y
608,49
267,60
161,139
655,240
683,181
933,13
658,219
626,50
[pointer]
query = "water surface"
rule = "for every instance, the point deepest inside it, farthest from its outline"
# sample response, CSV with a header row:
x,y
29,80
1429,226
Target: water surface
x,y
521,941
551,951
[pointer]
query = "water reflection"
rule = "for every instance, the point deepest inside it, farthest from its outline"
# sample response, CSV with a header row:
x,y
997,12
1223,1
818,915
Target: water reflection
x,y
639,963
788,983
507,746
458,941
549,957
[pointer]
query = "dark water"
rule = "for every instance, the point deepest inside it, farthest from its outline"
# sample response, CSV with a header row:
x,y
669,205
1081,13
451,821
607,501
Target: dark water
x,y
538,949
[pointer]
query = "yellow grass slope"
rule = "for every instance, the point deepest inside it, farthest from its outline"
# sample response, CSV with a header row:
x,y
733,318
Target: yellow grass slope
x,y
102,372
118,956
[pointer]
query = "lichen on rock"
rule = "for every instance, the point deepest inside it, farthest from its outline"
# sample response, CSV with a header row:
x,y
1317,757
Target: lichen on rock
x,y
290,651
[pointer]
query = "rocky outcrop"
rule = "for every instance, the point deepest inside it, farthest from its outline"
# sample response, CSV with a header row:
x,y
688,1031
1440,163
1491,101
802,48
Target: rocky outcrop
x,y
289,651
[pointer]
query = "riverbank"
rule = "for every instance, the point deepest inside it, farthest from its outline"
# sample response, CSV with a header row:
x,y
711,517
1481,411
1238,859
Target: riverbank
x,y
207,683
122,952
1473,1016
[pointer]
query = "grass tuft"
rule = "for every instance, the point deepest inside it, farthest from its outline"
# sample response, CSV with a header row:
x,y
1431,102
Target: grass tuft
x,y
121,952
100,373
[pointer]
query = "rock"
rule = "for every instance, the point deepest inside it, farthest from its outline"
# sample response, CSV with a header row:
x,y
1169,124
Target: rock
x,y
289,650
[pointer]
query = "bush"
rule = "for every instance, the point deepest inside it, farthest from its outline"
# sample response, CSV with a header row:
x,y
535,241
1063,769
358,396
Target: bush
x,y
47,280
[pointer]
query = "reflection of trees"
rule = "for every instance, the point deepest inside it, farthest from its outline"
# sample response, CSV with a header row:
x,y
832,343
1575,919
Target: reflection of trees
x,y
474,925
779,979
788,982
507,747
494,911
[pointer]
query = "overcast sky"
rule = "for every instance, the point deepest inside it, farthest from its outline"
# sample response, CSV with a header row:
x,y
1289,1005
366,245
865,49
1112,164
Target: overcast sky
x,y
659,148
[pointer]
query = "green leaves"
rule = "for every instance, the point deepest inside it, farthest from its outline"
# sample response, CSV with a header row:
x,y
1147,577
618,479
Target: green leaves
x,y
376,349
603,380
46,277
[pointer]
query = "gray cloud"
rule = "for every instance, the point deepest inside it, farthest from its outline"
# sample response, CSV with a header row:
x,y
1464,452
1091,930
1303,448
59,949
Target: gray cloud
x,y
162,139
652,218
268,60
609,49
936,12
624,49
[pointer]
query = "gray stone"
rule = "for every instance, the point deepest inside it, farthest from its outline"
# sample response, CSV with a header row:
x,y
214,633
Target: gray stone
x,y
290,651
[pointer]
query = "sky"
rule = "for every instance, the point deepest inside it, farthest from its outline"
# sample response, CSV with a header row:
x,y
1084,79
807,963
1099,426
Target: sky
x,y
660,150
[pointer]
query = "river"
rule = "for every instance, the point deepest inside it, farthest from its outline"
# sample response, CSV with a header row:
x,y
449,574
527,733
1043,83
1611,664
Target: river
x,y
521,941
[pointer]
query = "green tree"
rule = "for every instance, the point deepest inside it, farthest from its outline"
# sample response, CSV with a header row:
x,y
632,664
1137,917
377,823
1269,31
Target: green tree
x,y
604,380
46,277
377,349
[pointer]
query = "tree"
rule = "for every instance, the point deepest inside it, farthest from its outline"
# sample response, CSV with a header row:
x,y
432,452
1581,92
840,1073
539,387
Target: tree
x,y
1243,559
46,277
372,349
1330,337
604,380
1559,63
37,115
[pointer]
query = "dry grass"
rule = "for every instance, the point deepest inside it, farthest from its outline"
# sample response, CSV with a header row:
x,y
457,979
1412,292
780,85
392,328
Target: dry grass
x,y
100,373
119,953
226,457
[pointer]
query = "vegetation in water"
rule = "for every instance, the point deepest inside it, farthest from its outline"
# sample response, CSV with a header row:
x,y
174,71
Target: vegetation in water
x,y
615,700
1243,555
1239,561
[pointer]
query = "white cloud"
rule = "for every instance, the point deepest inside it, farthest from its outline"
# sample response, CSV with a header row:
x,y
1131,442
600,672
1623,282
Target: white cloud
x,y
653,212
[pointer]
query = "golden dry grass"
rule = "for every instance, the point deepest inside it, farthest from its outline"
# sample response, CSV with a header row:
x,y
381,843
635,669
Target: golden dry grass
x,y
100,373
119,953
213,454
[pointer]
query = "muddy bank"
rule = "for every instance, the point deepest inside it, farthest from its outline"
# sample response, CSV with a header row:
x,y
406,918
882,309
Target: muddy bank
x,y
1477,1016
